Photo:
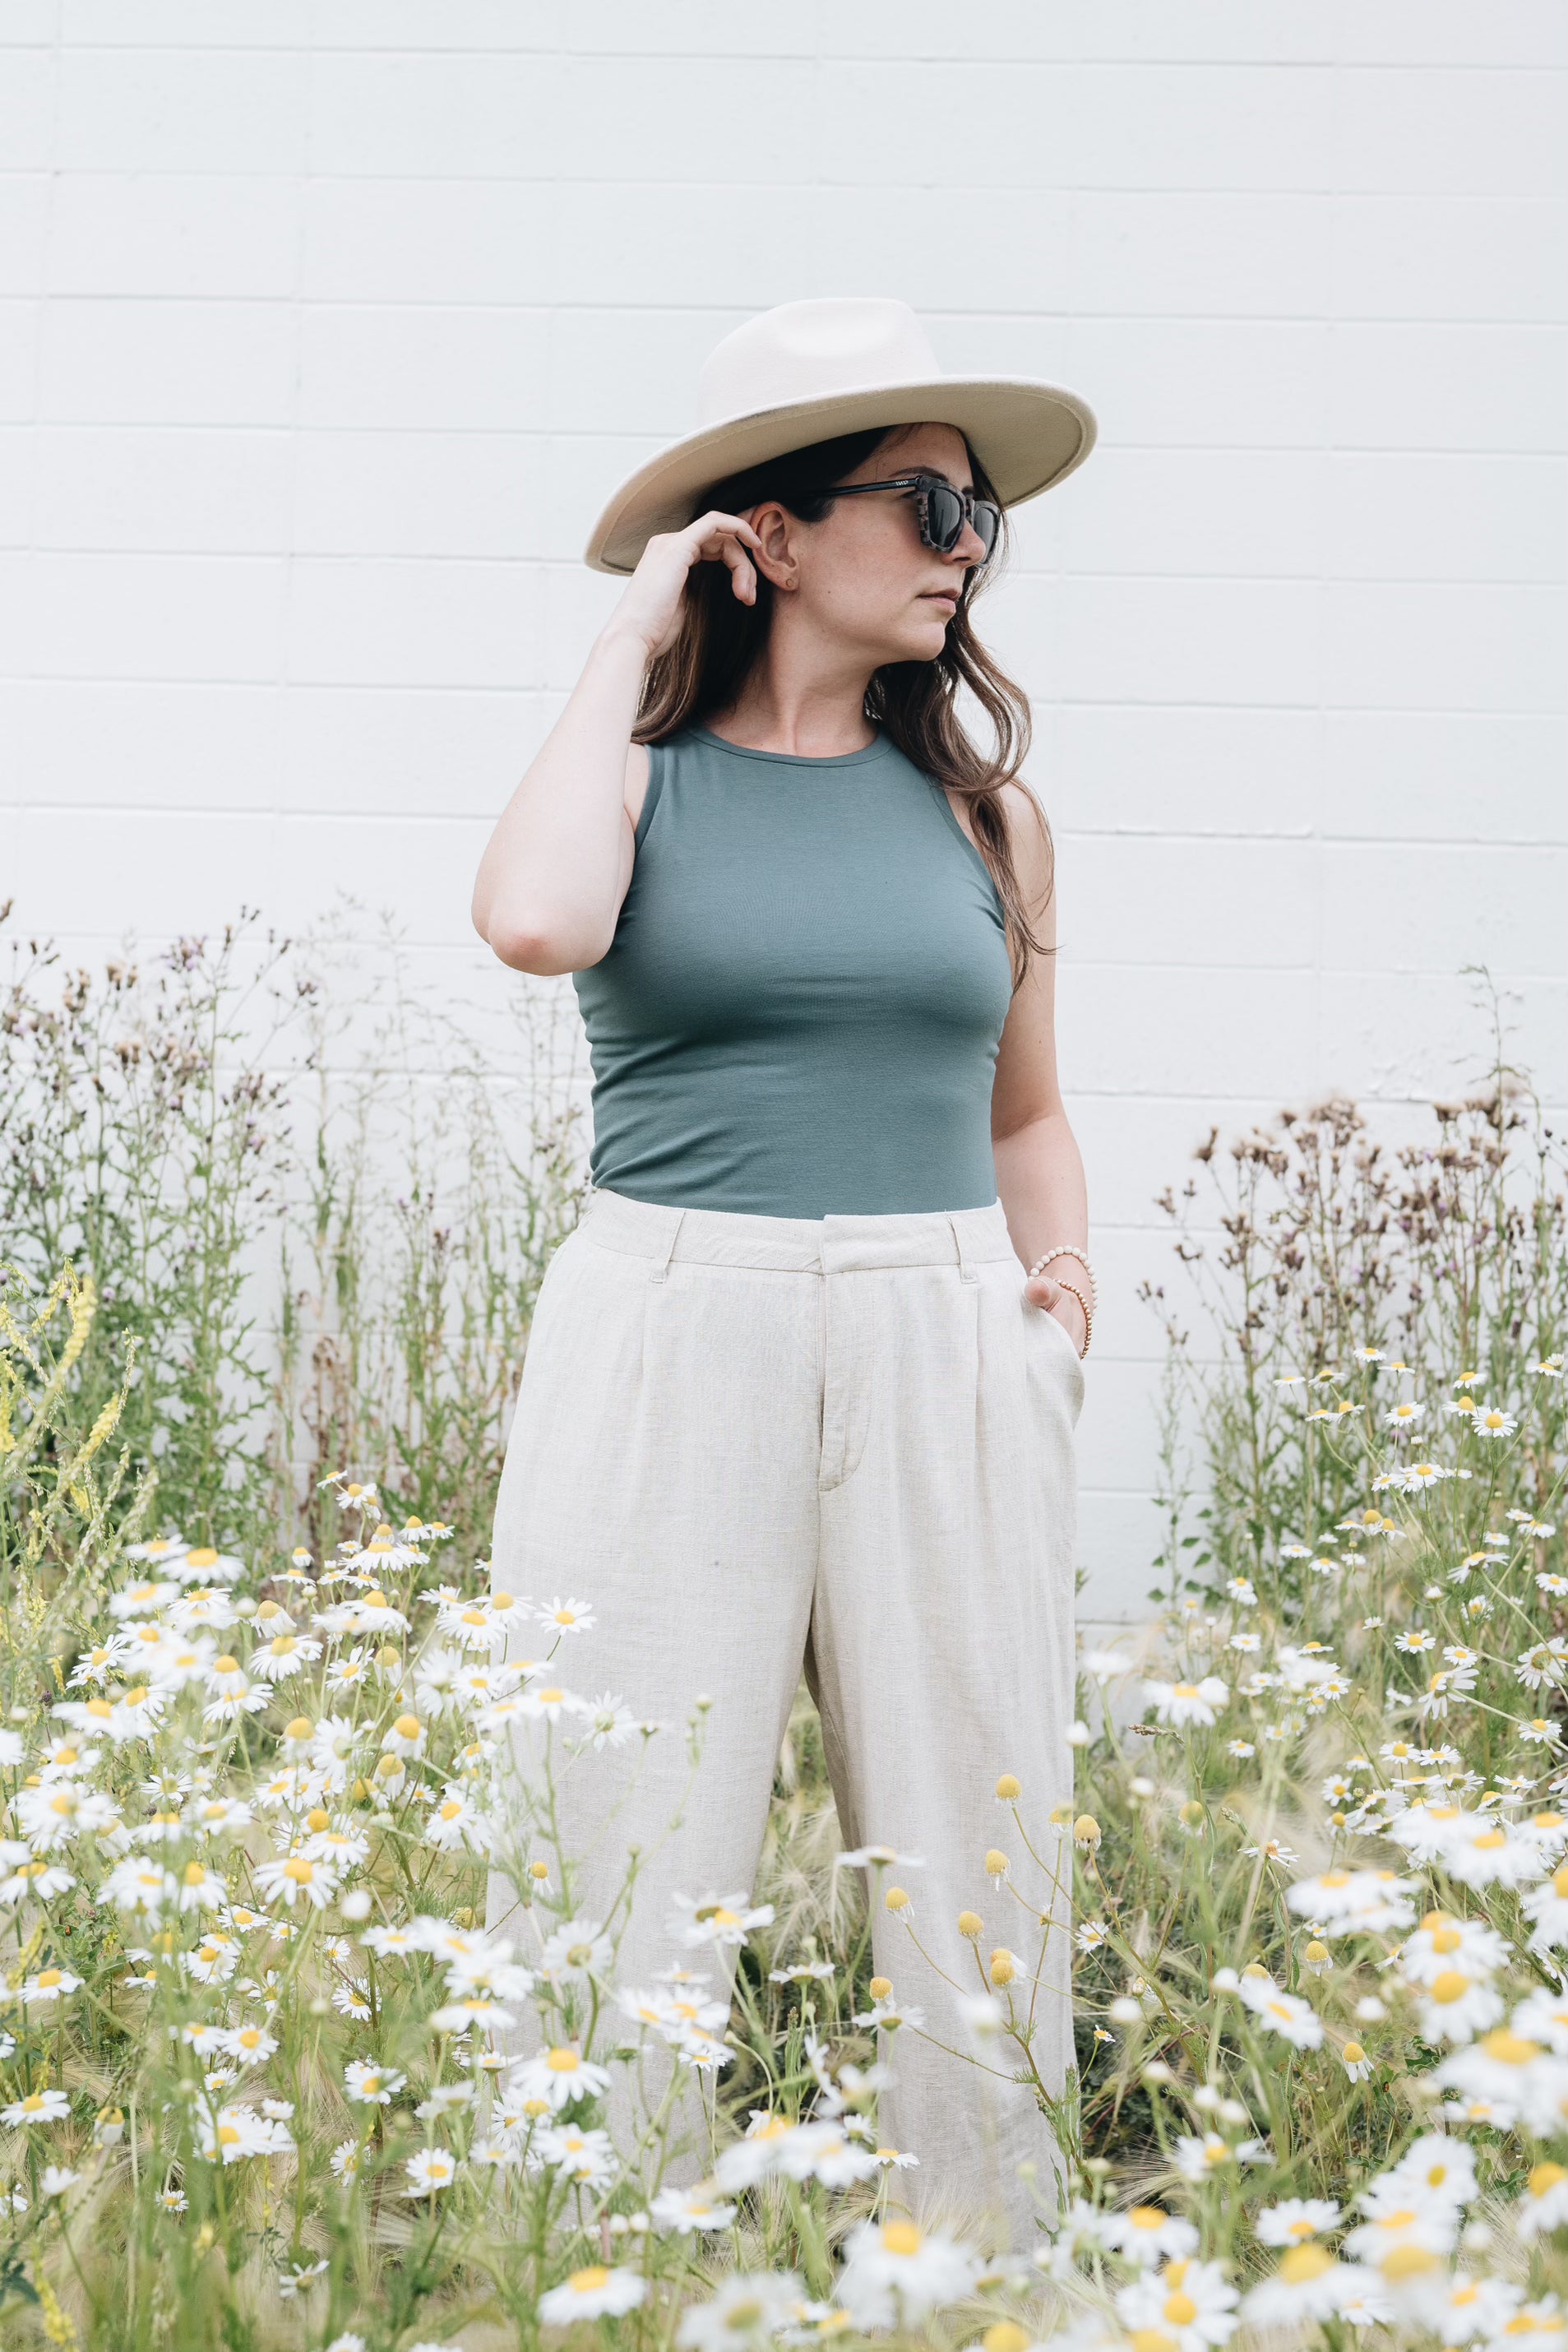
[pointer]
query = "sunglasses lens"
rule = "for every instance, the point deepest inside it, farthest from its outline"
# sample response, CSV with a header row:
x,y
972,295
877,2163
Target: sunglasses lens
x,y
944,516
987,520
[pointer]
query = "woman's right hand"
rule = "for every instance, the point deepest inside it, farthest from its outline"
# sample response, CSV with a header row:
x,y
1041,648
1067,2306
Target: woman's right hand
x,y
651,607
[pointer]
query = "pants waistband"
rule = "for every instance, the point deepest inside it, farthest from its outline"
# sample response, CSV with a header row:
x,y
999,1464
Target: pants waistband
x,y
834,1244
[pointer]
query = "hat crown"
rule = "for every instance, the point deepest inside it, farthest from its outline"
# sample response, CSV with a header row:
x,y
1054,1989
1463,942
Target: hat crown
x,y
803,350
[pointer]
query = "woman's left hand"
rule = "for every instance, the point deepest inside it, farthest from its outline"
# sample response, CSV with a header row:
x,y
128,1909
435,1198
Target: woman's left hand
x,y
1040,1291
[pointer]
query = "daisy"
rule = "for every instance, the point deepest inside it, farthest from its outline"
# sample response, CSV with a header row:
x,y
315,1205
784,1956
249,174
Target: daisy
x,y
201,1564
251,2044
566,1616
1192,2303
1282,2013
239,1696
746,2308
1441,1942
509,1611
348,1672
39,1879
382,1553
140,1599
1547,1905
721,1921
895,2272
548,1704
372,2085
1351,1902
373,1613
457,1821
353,1497
429,2171
558,2075
140,1887
1543,2016
1494,1856
1542,2325
1545,2205
1149,2235
596,2293
1309,2285
163,1551
406,1736
1433,2166
587,2158
1419,1475
1196,2158
1490,1421
470,1623
1506,2071
1455,2007
688,2209
1187,1703
1542,1663
579,1948
38,2108
200,1889
286,1878
1293,2221
203,1606
283,1656
1402,1416
1399,2225
236,2132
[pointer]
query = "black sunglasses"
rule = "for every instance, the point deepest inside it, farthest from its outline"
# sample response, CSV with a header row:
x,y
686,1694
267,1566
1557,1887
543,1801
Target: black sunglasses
x,y
942,511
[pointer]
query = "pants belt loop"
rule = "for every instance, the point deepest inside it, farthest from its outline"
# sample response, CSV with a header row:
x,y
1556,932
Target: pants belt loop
x,y
659,1270
965,1264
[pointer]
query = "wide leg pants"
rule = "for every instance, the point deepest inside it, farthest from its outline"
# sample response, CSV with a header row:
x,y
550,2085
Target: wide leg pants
x,y
758,1443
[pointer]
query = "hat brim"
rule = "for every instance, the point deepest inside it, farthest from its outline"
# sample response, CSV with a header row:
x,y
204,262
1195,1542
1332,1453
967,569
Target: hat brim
x,y
1027,436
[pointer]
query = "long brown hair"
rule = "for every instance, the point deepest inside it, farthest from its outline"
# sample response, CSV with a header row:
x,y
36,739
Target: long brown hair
x,y
914,702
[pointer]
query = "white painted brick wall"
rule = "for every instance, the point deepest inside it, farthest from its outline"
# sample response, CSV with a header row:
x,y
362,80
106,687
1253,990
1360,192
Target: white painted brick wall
x,y
326,324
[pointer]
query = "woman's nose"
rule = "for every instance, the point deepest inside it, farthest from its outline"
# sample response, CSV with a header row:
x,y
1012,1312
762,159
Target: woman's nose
x,y
970,548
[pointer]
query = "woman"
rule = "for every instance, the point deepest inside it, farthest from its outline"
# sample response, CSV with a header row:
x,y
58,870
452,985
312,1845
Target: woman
x,y
801,1385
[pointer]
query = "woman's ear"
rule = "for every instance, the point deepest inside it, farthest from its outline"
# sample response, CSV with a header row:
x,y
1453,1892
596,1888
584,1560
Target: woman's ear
x,y
778,560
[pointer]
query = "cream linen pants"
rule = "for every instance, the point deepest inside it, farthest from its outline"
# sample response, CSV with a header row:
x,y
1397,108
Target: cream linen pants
x,y
755,1444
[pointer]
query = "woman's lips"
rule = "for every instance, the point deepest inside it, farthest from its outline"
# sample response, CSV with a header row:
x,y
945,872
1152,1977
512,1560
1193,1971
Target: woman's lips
x,y
941,597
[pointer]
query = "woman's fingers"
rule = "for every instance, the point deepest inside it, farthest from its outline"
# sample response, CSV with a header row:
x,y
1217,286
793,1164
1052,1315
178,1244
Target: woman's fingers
x,y
711,529
742,573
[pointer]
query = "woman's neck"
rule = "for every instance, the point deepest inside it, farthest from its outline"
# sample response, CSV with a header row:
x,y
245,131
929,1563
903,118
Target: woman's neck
x,y
799,708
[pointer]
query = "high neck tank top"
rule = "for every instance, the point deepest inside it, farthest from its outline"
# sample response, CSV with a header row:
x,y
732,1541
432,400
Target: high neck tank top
x,y
799,1012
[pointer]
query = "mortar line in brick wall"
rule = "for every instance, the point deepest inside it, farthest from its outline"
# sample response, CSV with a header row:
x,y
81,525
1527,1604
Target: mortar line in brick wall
x,y
542,306
1165,190
1215,61
1167,836
286,553
1121,702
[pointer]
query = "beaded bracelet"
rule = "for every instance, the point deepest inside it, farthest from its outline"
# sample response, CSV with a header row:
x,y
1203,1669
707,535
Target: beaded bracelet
x,y
1064,1249
1073,1292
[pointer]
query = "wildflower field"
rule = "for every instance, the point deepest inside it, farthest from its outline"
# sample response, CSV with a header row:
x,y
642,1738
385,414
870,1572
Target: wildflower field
x,y
277,2070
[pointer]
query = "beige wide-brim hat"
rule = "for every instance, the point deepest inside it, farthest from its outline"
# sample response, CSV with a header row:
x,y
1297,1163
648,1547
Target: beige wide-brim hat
x,y
808,371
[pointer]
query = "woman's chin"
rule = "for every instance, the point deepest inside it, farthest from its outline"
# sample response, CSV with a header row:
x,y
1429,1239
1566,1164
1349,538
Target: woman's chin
x,y
925,639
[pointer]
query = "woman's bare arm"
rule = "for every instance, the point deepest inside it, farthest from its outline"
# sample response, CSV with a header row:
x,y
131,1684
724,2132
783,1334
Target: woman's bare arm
x,y
1039,1174
556,869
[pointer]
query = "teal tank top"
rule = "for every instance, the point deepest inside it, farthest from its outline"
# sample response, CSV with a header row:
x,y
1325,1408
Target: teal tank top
x,y
799,1012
